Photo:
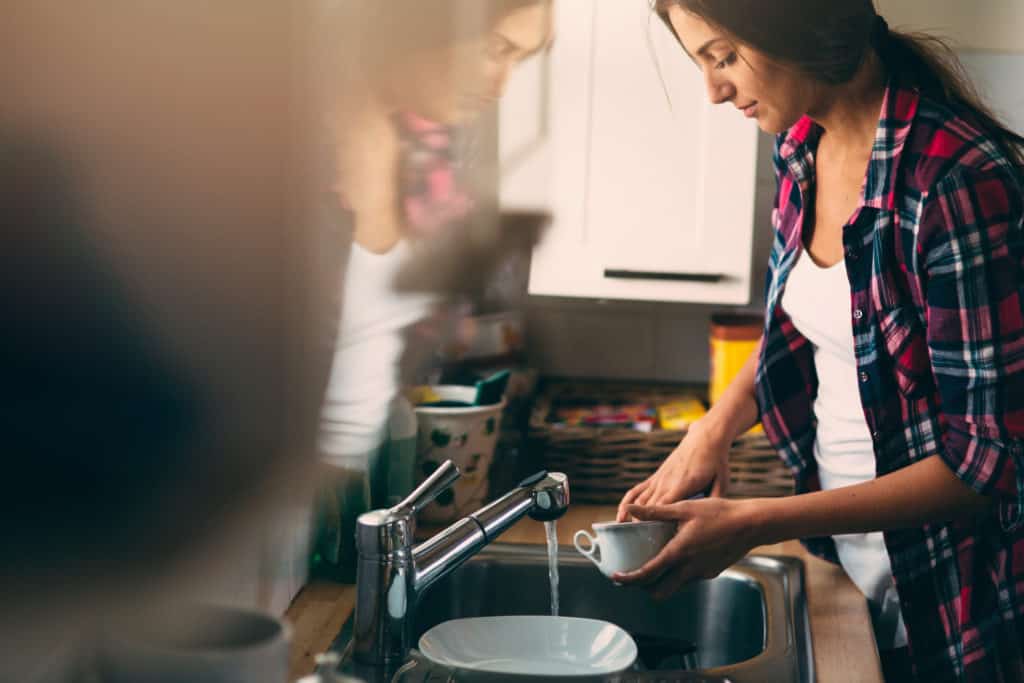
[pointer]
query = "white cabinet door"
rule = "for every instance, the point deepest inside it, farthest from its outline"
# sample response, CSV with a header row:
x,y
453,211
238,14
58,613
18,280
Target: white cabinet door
x,y
543,131
524,122
671,179
652,190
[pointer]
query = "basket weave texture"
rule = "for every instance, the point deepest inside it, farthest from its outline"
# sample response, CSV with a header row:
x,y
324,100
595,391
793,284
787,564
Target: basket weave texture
x,y
603,463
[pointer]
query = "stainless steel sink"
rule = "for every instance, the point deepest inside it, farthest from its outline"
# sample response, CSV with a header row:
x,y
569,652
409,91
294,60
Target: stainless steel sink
x,y
747,625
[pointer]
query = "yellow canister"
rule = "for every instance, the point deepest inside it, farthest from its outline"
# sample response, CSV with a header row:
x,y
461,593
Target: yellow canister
x,y
733,338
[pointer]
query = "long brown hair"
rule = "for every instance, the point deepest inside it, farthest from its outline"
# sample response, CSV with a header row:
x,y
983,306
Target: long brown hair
x,y
830,40
377,31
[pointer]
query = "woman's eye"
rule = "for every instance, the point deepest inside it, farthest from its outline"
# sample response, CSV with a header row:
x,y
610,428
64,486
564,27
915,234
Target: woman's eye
x,y
729,60
498,49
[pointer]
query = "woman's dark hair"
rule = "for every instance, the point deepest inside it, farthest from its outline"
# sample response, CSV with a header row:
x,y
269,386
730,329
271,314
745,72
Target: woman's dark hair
x,y
829,41
415,23
379,30
356,40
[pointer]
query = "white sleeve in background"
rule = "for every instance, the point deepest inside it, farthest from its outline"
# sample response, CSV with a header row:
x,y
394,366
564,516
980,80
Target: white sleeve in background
x,y
364,375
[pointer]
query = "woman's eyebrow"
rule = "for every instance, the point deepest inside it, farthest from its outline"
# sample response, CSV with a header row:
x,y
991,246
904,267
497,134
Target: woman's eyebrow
x,y
702,51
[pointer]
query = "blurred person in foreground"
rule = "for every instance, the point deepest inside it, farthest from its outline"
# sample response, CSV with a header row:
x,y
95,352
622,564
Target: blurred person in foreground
x,y
172,257
168,307
406,92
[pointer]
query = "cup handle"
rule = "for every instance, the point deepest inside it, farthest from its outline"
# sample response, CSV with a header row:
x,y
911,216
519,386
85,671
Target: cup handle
x,y
592,552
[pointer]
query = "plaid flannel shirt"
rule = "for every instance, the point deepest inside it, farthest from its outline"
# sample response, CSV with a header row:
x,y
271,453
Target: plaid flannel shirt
x,y
934,256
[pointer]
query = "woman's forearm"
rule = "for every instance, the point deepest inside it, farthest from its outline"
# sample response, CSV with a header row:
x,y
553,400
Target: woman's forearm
x,y
922,493
736,410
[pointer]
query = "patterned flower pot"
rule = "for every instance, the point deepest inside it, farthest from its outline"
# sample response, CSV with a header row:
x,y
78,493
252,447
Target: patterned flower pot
x,y
467,436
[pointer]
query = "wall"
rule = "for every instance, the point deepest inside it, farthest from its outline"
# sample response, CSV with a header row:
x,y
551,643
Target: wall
x,y
996,25
998,78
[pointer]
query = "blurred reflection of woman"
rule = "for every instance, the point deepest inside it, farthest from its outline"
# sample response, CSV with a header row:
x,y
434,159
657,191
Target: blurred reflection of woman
x,y
409,82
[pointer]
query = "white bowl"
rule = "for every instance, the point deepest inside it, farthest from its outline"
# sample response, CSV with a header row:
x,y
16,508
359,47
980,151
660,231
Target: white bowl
x,y
530,646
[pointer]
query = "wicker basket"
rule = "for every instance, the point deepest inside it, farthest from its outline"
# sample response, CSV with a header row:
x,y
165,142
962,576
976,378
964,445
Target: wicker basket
x,y
604,462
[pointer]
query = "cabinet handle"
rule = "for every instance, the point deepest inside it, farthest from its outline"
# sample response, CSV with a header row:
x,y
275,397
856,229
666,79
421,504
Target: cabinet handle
x,y
654,275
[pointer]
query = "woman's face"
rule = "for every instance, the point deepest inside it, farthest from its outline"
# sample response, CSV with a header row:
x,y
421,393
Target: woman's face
x,y
775,96
456,83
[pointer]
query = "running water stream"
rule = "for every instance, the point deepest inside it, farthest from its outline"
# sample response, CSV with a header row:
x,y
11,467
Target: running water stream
x,y
552,534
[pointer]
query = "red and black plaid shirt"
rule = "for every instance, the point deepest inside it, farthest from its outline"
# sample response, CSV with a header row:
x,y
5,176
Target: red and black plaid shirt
x,y
935,256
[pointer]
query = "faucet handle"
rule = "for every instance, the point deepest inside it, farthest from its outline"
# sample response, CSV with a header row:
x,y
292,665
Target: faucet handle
x,y
424,494
382,532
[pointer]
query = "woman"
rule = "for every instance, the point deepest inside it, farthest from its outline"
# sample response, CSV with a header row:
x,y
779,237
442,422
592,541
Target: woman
x,y
890,372
406,81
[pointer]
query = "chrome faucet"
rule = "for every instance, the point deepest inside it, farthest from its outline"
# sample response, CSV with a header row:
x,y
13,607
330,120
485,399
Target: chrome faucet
x,y
392,573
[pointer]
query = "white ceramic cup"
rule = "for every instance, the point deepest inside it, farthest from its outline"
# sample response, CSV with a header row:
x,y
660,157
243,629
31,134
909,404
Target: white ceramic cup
x,y
623,546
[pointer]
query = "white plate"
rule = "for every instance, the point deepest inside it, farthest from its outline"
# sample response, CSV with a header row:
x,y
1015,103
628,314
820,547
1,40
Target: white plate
x,y
530,645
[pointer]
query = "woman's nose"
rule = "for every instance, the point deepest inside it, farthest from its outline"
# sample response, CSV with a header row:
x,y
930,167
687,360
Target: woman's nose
x,y
719,90
499,81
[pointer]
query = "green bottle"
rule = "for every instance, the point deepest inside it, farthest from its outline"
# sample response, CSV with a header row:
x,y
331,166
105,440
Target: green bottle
x,y
377,480
400,456
344,496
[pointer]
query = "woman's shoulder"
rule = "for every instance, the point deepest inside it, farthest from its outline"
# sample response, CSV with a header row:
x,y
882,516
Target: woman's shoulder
x,y
951,140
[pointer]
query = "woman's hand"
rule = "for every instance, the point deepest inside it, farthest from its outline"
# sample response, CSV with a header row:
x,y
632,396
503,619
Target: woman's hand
x,y
713,534
699,464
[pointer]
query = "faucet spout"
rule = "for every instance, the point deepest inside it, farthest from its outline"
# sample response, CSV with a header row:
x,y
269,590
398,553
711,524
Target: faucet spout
x,y
543,496
393,574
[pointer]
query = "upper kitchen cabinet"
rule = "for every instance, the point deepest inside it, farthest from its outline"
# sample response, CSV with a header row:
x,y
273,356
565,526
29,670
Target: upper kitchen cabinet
x,y
651,188
996,25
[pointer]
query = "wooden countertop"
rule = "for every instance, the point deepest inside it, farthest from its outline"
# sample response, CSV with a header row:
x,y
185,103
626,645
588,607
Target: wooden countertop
x,y
844,647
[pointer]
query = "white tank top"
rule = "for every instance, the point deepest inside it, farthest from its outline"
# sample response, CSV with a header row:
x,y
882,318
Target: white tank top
x,y
818,301
364,376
